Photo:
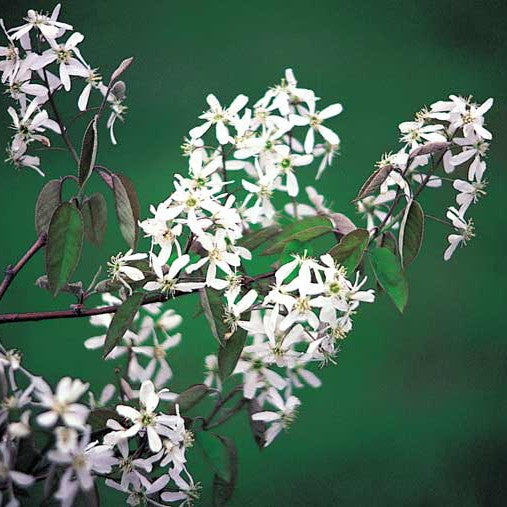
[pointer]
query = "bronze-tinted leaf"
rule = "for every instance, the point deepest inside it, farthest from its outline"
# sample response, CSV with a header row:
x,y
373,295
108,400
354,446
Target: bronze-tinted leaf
x,y
127,207
94,211
411,233
88,151
49,199
373,183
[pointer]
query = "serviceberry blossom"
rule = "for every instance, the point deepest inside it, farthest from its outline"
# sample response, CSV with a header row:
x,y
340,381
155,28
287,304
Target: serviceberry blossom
x,y
144,420
282,418
238,201
220,117
62,405
464,231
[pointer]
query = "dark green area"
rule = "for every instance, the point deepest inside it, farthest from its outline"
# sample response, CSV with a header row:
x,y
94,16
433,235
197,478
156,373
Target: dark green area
x,y
415,413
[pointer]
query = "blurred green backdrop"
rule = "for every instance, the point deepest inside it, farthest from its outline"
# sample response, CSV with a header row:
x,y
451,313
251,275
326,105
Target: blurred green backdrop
x,y
415,413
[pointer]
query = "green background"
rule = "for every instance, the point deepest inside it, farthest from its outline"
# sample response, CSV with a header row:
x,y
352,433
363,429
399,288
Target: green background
x,y
415,413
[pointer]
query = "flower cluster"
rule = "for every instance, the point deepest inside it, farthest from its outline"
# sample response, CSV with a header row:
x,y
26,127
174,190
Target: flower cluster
x,y
450,132
75,455
41,58
301,320
242,190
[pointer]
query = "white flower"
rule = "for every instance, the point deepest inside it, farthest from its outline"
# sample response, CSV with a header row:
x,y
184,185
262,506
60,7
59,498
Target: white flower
x,y
314,120
115,98
121,272
92,79
48,25
29,128
82,461
219,255
286,164
235,309
281,419
169,283
473,147
464,231
220,117
144,420
145,493
157,354
470,117
468,193
188,490
62,405
63,55
415,133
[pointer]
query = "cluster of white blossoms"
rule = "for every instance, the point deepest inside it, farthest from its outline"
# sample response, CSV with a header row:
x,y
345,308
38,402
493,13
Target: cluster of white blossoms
x,y
242,190
76,455
455,128
41,58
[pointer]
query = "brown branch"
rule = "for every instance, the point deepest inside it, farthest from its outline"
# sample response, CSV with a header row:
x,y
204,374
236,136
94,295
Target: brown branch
x,y
79,311
12,271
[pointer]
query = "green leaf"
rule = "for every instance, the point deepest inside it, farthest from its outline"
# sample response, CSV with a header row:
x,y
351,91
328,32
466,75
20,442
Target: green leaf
x,y
349,251
121,321
49,199
222,489
190,397
94,210
215,453
411,233
127,207
372,184
211,302
230,351
255,239
63,250
303,230
88,151
390,276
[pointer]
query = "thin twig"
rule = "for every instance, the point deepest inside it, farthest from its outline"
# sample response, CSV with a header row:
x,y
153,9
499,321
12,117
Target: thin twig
x,y
78,311
63,130
12,271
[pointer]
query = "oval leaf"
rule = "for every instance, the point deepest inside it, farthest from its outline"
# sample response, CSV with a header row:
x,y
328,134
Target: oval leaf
x,y
121,322
390,276
303,230
49,199
63,250
372,184
230,351
94,211
211,302
253,240
127,207
349,251
189,398
88,152
411,233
